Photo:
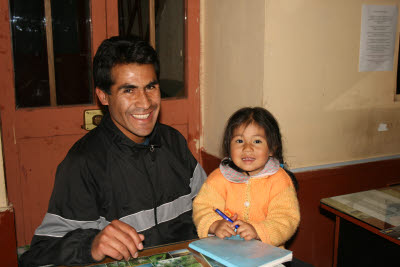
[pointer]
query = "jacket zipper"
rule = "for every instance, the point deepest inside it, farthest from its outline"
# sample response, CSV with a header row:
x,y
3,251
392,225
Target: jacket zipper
x,y
152,187
151,153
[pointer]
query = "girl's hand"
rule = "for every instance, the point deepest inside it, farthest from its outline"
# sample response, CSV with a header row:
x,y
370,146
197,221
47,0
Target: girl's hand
x,y
246,230
222,229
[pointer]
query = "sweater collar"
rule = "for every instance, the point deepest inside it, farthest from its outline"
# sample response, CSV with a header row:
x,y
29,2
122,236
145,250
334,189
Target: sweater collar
x,y
271,167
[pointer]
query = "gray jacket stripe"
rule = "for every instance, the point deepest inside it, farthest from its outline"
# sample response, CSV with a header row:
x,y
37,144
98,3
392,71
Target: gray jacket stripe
x,y
145,219
171,210
57,226
141,221
199,176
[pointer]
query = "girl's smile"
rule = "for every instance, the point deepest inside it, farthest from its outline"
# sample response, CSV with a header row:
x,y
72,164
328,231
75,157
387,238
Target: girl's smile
x,y
250,160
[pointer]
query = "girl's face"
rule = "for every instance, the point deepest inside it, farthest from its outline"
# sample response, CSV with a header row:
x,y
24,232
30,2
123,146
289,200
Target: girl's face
x,y
249,148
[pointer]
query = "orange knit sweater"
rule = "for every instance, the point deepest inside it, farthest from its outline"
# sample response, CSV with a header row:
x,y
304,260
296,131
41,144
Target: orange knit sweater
x,y
268,203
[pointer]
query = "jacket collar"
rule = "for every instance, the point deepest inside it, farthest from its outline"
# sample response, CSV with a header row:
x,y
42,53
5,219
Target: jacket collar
x,y
119,137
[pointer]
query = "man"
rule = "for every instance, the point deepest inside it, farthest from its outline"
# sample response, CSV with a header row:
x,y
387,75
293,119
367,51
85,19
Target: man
x,y
127,184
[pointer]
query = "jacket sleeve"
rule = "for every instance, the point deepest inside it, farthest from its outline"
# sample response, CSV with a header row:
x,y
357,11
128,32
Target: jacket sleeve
x,y
72,220
71,249
178,144
282,219
204,205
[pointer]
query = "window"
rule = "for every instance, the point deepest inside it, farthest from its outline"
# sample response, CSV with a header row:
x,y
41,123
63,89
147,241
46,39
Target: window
x,y
162,23
52,52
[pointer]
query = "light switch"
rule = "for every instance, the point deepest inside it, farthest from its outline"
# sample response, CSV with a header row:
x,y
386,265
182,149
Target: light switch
x,y
92,118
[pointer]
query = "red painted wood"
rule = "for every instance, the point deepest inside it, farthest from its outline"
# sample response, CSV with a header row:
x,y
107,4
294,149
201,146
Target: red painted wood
x,y
8,244
37,174
44,122
112,18
7,114
209,162
192,72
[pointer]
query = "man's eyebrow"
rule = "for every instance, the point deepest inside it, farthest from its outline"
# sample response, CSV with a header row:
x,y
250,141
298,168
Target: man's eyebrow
x,y
127,86
132,86
152,83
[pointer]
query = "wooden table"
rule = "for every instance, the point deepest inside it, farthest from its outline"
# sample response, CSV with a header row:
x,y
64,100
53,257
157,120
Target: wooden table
x,y
360,217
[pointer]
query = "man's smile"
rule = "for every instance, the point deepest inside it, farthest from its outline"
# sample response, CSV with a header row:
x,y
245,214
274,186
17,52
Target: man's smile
x,y
141,116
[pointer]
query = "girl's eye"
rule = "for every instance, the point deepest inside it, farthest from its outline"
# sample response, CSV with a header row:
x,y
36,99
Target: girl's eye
x,y
239,141
257,141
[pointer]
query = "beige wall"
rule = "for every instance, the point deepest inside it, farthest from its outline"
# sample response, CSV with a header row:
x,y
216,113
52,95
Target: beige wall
x,y
328,111
232,64
3,195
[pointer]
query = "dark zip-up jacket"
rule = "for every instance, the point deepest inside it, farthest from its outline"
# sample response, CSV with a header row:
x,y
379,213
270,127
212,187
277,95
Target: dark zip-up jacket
x,y
106,176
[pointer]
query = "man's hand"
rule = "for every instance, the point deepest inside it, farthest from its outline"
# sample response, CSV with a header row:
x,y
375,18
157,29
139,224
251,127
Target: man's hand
x,y
117,240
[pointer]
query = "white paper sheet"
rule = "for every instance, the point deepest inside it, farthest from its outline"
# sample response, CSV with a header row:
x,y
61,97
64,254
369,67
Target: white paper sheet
x,y
378,35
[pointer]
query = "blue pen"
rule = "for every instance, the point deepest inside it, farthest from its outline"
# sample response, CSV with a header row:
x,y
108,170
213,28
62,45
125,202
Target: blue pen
x,y
225,217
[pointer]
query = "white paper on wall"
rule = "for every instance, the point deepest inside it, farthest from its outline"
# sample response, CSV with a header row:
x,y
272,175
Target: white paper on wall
x,y
378,35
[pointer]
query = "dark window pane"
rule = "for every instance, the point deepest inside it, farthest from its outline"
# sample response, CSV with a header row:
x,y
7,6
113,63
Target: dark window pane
x,y
71,56
170,28
72,53
30,53
133,18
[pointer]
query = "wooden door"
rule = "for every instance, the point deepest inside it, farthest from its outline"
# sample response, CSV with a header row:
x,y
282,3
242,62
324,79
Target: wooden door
x,y
37,139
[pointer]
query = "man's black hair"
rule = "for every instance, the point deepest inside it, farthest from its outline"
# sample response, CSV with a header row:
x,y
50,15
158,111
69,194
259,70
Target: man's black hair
x,y
119,50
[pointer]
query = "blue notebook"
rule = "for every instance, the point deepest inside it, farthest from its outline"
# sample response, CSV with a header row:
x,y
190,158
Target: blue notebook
x,y
237,253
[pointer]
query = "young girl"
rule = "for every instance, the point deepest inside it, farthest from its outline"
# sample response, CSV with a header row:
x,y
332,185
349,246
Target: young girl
x,y
249,184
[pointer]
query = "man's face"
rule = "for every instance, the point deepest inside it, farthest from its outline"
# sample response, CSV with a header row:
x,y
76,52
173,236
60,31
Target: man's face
x,y
134,102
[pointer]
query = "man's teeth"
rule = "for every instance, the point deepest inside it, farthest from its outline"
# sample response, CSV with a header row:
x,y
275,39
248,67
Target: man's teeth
x,y
141,116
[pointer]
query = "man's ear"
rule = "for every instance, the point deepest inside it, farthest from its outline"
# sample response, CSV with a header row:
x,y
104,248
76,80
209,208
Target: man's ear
x,y
103,96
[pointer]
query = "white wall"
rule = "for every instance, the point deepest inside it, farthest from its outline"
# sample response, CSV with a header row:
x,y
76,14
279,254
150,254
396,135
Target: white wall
x,y
328,111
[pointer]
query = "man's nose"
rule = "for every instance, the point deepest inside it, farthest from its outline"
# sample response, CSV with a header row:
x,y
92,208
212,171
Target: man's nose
x,y
143,100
